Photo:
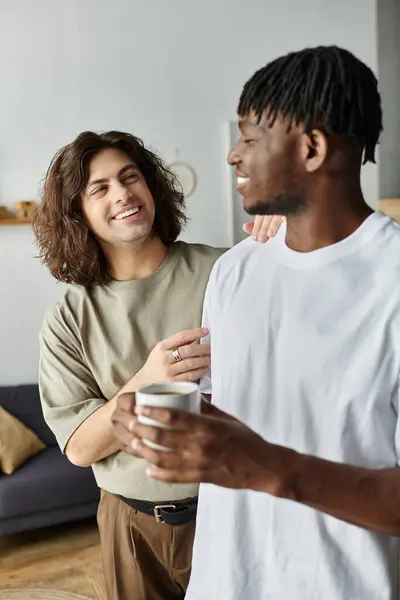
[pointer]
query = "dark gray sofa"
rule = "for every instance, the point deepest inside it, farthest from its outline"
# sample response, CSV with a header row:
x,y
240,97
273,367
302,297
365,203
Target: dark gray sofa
x,y
47,489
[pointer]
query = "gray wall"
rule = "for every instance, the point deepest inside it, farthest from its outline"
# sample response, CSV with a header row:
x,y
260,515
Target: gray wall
x,y
138,66
388,20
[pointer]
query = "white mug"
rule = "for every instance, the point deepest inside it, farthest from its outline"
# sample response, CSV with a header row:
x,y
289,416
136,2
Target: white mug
x,y
180,395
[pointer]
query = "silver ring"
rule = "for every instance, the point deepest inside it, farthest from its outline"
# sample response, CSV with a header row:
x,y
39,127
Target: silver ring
x,y
176,354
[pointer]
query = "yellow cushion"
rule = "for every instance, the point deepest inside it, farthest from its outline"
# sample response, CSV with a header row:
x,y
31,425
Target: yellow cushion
x,y
17,443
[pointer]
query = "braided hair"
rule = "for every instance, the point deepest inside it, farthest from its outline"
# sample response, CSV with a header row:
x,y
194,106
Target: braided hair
x,y
325,87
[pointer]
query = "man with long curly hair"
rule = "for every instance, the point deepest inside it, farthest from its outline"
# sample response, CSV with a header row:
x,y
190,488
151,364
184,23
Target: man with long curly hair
x,y
107,223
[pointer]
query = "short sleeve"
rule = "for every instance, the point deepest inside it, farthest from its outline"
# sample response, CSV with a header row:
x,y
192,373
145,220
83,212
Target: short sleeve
x,y
68,391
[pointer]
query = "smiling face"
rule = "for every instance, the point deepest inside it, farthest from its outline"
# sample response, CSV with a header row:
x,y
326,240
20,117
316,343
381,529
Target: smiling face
x,y
116,202
270,166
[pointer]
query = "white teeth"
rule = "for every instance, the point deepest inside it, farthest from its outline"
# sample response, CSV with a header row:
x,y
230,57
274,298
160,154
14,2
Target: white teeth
x,y
127,213
242,180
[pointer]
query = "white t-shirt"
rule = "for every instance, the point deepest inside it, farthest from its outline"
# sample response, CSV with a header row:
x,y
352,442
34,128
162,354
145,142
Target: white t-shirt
x,y
306,351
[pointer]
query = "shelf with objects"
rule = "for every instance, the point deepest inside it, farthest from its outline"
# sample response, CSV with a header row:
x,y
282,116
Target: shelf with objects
x,y
390,207
21,215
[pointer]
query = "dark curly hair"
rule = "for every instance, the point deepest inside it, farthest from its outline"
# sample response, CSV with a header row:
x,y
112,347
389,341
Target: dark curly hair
x,y
67,246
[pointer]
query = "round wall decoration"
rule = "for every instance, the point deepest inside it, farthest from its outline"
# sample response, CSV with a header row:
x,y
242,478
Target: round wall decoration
x,y
186,176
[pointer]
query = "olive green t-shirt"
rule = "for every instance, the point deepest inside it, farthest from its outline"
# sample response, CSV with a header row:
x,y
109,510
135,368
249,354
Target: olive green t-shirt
x,y
95,339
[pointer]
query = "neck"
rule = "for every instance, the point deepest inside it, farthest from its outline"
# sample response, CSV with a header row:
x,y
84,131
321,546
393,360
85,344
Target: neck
x,y
137,260
332,215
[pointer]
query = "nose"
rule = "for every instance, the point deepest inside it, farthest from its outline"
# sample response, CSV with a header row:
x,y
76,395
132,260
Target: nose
x,y
121,193
233,156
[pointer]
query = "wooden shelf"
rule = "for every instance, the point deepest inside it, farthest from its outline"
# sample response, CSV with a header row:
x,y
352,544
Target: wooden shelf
x,y
15,222
390,207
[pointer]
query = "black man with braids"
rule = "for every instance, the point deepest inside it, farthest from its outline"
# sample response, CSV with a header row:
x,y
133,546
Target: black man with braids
x,y
299,451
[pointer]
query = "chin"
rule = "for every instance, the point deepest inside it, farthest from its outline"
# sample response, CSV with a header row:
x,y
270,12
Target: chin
x,y
139,236
284,204
255,206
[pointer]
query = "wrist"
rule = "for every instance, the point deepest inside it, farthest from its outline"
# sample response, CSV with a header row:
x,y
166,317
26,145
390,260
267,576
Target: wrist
x,y
134,384
281,467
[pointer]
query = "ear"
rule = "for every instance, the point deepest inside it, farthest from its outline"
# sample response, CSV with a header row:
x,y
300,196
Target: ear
x,y
314,149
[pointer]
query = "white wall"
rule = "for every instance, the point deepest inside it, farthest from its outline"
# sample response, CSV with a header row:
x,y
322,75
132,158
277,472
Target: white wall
x,y
26,292
169,71
388,27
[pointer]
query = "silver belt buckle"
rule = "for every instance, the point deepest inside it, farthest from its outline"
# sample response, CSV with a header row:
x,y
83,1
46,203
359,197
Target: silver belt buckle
x,y
157,514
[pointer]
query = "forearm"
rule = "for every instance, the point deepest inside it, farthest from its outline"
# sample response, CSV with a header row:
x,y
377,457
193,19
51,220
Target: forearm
x,y
94,439
365,497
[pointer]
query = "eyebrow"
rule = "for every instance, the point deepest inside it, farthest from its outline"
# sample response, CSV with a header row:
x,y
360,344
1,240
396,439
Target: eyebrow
x,y
244,124
120,173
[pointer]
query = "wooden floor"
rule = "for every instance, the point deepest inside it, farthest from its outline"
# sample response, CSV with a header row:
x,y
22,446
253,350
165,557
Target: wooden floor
x,y
64,558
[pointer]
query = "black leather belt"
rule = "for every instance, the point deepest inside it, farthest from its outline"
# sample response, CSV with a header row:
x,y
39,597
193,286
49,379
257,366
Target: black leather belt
x,y
178,513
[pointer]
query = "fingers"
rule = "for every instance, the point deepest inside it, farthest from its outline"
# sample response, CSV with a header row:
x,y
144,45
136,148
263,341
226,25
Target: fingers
x,y
126,402
274,225
189,437
194,350
264,227
173,418
195,362
190,364
123,418
248,227
182,338
181,454
124,437
173,466
177,476
192,375
261,228
172,439
183,428
180,419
